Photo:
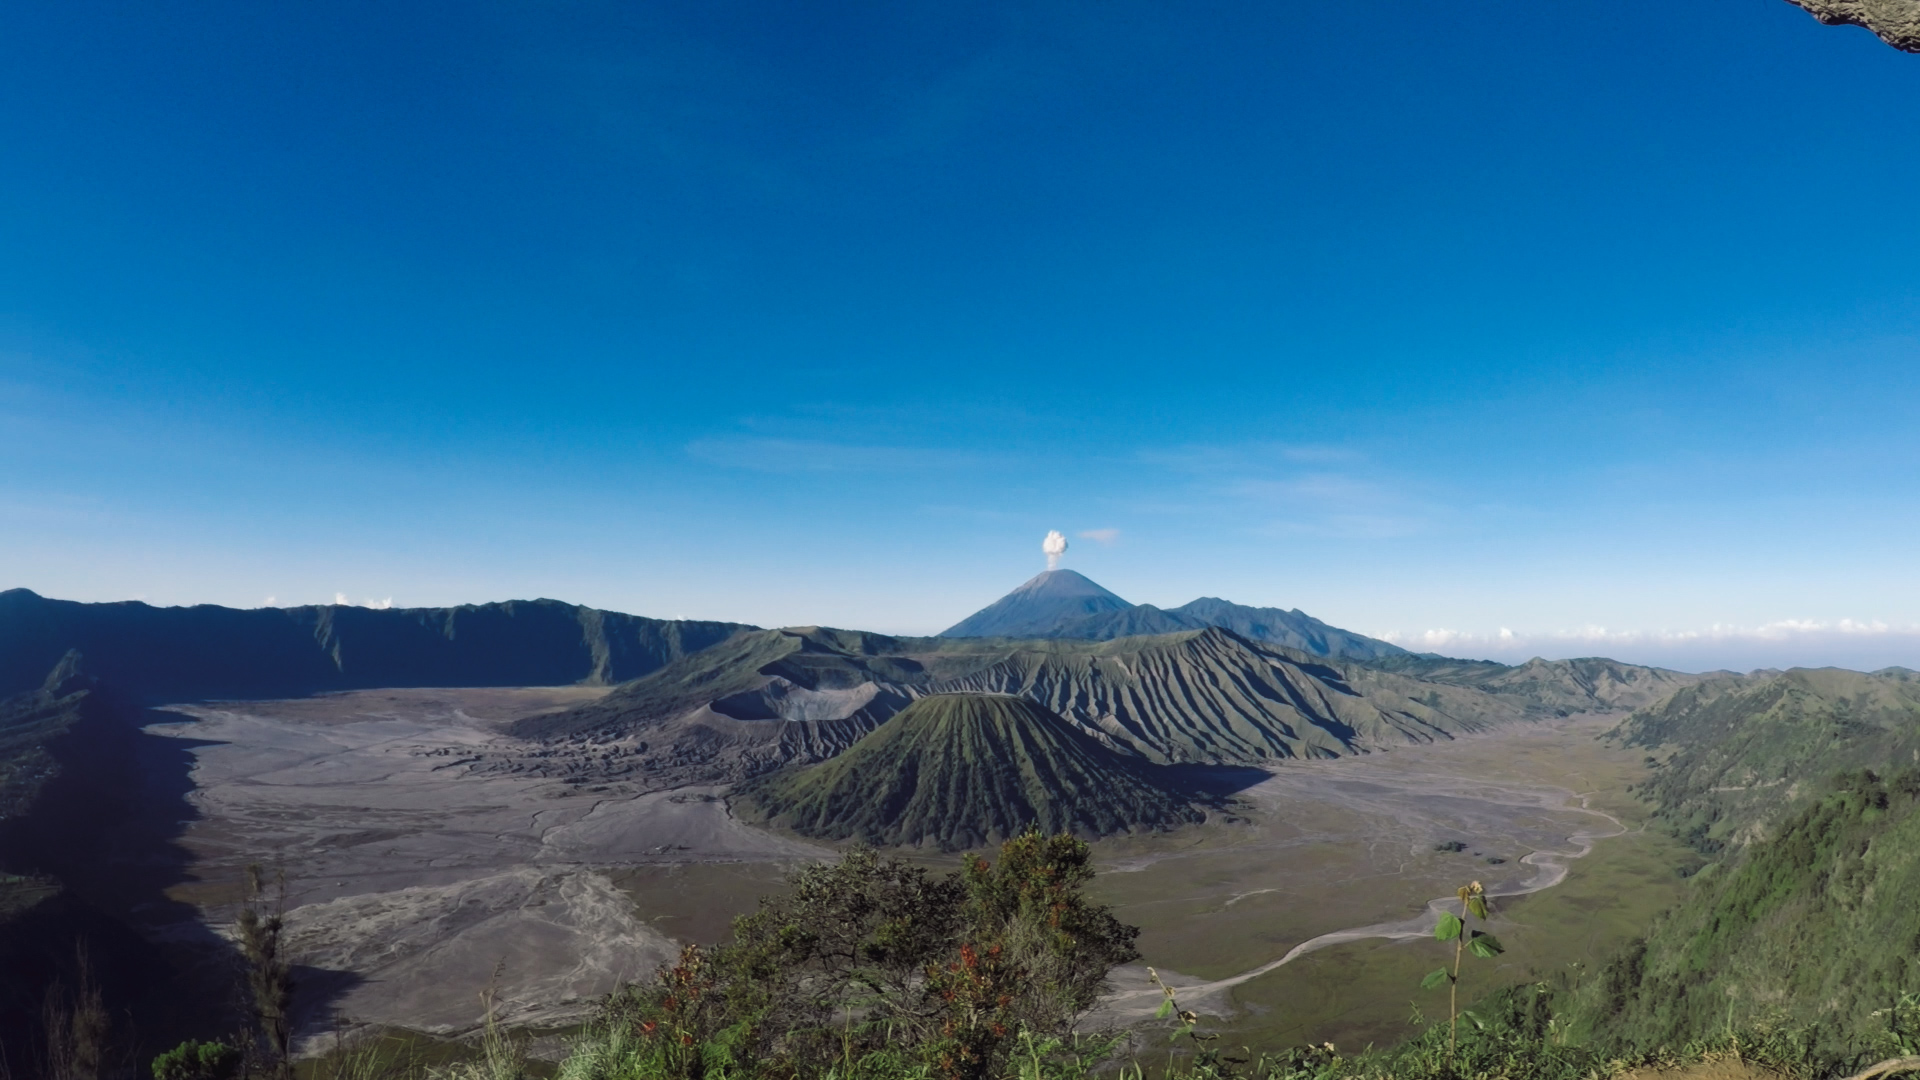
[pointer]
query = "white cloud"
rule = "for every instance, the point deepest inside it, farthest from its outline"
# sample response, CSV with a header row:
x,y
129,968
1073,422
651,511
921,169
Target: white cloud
x,y
1100,536
1858,643
340,599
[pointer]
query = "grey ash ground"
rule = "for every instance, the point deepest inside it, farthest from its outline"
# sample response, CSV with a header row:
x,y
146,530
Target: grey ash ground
x,y
427,850
414,873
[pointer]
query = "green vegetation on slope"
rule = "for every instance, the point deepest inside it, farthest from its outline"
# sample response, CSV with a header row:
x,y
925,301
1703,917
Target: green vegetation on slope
x,y
1815,927
959,770
1553,687
1745,750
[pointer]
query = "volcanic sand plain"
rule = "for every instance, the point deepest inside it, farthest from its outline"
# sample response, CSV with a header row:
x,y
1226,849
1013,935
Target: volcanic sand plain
x,y
415,880
421,870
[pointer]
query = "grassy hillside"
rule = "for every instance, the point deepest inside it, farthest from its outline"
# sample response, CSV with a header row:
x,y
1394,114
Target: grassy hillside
x,y
1740,752
961,770
1557,687
1816,927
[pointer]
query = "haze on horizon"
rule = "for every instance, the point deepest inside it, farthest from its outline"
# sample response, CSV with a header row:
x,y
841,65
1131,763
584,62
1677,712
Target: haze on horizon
x,y
1501,330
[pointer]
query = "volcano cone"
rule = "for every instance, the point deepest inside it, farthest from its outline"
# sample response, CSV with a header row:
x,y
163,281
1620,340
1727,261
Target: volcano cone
x,y
964,770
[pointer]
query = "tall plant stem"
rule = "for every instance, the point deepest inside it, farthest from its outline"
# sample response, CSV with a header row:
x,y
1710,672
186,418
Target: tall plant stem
x,y
1453,986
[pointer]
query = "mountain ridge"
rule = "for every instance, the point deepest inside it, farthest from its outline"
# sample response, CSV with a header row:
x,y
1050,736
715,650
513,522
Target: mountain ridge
x,y
187,653
1744,750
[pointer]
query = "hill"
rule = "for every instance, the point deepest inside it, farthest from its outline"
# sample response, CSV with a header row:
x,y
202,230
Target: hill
x,y
962,770
1293,629
1559,687
158,654
1803,785
1063,604
1741,752
1814,928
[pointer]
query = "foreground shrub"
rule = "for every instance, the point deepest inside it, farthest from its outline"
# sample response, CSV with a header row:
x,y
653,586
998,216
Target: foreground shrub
x,y
194,1060
875,967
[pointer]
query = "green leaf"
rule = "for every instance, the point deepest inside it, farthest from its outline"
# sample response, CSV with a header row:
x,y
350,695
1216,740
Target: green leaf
x,y
1485,946
1166,1010
1449,927
1434,978
1477,905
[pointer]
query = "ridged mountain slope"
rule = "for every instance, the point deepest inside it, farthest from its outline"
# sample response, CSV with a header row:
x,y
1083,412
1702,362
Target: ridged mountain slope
x,y
962,770
182,653
771,698
1213,696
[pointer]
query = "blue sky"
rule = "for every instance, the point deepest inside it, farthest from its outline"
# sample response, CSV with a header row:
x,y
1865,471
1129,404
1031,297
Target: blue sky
x,y
1596,323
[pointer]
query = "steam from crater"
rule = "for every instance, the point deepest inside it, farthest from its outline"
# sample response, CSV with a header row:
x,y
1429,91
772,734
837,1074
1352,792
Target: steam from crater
x,y
1055,545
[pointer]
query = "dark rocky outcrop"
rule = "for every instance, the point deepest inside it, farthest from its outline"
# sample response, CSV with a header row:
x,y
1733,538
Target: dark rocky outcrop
x,y
1896,21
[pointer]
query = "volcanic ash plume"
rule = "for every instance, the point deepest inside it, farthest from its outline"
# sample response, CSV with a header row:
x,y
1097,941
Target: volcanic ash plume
x,y
1055,545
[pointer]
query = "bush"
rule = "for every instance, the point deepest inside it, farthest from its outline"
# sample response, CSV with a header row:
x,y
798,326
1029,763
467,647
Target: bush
x,y
194,1060
873,966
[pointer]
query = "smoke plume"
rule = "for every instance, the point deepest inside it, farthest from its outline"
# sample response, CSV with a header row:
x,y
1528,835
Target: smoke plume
x,y
1055,545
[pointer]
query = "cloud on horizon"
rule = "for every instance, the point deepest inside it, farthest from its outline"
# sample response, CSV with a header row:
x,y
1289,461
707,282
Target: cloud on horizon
x,y
340,600
1864,645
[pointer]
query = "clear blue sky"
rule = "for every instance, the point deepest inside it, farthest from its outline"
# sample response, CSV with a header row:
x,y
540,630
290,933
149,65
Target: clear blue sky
x,y
1595,321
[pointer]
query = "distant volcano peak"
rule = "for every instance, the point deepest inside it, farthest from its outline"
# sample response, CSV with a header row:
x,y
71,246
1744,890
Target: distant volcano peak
x,y
1064,583
1044,602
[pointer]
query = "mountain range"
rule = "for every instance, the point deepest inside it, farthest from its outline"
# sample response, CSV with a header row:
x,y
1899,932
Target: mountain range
x,y
712,702
188,653
771,698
